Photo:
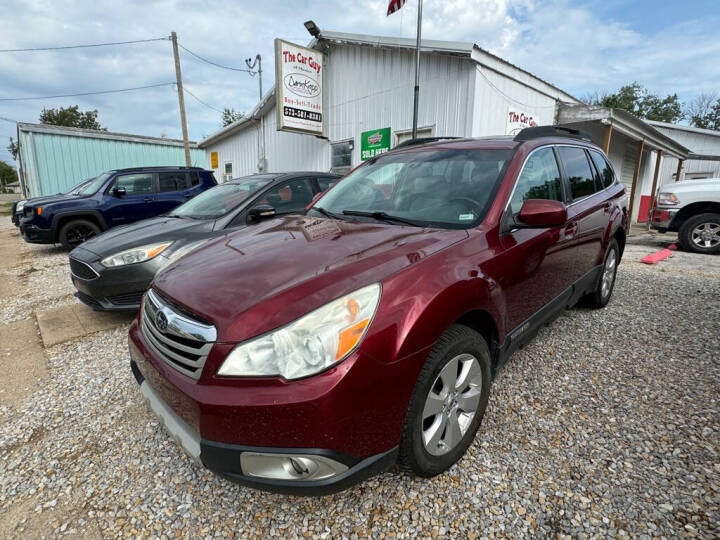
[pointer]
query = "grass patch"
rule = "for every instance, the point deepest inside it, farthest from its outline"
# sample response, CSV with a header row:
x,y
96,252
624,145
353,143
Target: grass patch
x,y
5,209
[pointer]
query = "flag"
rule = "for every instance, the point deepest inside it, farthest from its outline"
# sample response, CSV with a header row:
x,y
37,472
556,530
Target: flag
x,y
394,5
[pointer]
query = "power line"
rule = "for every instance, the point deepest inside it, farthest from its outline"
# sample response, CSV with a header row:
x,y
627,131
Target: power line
x,y
215,63
9,120
82,46
201,101
89,93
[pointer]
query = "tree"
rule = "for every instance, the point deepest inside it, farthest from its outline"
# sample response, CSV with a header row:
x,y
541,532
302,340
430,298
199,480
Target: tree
x,y
71,117
638,100
704,111
8,175
13,148
229,116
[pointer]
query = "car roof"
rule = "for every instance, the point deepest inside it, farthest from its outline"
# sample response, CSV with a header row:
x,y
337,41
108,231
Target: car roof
x,y
274,177
158,168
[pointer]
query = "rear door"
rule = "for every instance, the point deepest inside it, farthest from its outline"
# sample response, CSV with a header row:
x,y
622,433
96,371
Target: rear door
x,y
135,204
174,188
588,207
534,266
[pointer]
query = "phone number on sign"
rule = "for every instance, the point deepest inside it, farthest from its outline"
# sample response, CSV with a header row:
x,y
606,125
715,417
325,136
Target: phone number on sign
x,y
303,115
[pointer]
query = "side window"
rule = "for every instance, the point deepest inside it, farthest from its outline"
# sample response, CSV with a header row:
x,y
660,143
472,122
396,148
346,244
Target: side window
x,y
540,179
171,181
607,178
579,173
326,182
135,183
288,197
193,179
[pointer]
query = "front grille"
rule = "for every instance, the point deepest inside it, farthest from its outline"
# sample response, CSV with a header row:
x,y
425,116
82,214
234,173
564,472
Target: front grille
x,y
180,341
82,270
127,299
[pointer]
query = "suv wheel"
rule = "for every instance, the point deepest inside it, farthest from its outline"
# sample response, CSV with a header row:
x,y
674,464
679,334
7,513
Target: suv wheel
x,y
448,402
75,232
701,234
606,282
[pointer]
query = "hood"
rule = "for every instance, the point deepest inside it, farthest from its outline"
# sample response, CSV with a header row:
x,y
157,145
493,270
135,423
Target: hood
x,y
148,231
266,275
691,185
47,199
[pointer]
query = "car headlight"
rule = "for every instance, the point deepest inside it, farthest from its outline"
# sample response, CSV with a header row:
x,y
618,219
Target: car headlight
x,y
310,344
667,198
135,255
19,206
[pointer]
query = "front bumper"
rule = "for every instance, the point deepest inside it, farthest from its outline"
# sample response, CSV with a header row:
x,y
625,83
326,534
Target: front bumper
x,y
33,234
661,218
111,289
296,471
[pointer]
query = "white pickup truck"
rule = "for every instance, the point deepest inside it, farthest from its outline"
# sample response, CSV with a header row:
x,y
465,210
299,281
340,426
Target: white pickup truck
x,y
692,209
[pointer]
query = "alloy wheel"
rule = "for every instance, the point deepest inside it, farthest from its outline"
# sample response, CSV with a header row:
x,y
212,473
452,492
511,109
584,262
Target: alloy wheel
x,y
706,235
79,234
451,404
609,273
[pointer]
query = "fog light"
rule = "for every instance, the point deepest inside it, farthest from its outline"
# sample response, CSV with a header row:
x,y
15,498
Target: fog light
x,y
299,467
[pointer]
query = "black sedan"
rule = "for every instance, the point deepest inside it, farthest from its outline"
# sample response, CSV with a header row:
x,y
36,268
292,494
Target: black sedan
x,y
112,271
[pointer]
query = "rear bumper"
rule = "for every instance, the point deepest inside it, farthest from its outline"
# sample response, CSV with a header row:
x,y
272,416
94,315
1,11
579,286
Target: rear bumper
x,y
240,463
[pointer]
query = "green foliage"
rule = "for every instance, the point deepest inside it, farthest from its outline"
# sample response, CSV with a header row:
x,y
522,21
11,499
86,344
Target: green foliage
x,y
13,148
709,120
71,117
229,116
639,101
8,175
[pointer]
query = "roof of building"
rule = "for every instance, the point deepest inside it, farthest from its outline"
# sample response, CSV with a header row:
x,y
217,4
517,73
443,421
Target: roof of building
x,y
99,134
458,48
680,127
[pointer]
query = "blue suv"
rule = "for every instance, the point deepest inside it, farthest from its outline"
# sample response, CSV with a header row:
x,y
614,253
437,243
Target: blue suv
x,y
113,198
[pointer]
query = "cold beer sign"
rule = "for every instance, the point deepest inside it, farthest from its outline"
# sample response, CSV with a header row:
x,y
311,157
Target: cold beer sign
x,y
298,83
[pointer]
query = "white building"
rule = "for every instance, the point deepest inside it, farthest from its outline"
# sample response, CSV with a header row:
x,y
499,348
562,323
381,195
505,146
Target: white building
x,y
464,92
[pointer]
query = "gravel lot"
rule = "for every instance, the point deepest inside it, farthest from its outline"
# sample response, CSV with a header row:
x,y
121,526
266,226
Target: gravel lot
x,y
607,424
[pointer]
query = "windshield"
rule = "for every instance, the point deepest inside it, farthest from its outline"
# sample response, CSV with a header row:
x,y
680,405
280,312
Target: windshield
x,y
77,187
93,185
440,188
220,200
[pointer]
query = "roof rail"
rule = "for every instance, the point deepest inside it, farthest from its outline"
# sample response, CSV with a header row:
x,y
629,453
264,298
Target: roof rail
x,y
551,131
423,140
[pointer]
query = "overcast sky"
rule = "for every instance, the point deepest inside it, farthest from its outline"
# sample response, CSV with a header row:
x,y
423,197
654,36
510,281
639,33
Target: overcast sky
x,y
582,46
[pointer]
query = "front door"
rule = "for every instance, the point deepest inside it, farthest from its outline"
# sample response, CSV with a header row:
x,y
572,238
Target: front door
x,y
534,266
135,204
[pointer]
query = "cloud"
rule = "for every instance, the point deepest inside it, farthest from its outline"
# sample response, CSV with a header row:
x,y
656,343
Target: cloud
x,y
575,46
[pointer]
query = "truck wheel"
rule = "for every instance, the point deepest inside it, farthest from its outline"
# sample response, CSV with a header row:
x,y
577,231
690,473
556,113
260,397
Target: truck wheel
x,y
606,282
75,232
448,402
701,234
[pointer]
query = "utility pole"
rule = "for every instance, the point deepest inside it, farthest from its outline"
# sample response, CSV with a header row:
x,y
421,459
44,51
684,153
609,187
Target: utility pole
x,y
251,65
416,95
181,99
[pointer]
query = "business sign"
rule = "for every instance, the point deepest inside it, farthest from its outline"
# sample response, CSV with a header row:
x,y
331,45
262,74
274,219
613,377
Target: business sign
x,y
518,120
298,88
374,143
213,160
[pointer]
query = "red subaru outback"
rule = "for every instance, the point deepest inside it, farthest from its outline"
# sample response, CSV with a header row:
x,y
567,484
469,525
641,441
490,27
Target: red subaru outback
x,y
308,352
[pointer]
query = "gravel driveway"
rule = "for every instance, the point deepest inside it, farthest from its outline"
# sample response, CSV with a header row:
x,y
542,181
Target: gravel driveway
x,y
607,424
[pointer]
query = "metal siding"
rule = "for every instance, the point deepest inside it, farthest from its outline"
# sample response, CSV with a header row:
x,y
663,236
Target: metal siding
x,y
54,163
698,143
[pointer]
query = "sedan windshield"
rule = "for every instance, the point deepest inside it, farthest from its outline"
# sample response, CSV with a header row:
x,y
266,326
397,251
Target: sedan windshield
x,y
220,200
435,188
93,185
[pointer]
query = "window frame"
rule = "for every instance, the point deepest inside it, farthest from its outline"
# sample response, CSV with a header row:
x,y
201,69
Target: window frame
x,y
606,159
570,200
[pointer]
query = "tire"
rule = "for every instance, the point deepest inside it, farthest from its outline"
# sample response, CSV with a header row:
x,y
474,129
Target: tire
x,y
469,351
600,297
701,233
77,231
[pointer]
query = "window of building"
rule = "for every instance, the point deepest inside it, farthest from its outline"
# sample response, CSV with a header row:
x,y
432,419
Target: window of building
x,y
227,171
171,181
579,173
607,178
341,156
135,183
540,179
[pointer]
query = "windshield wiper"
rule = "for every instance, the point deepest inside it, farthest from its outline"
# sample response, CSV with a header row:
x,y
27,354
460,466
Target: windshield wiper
x,y
384,216
324,212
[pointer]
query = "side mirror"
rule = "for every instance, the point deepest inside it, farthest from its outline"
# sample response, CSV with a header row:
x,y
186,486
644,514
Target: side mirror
x,y
540,213
314,200
119,192
261,211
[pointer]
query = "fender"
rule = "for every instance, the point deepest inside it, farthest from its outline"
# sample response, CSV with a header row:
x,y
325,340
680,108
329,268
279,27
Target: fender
x,y
78,214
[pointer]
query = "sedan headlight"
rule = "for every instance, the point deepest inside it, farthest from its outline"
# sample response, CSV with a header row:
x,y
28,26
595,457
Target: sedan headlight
x,y
310,344
667,198
135,255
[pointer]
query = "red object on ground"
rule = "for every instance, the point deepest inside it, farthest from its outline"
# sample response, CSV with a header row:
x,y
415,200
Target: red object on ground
x,y
657,256
672,247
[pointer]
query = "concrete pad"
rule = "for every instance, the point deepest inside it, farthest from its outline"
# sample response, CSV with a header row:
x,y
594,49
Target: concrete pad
x,y
22,361
70,322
